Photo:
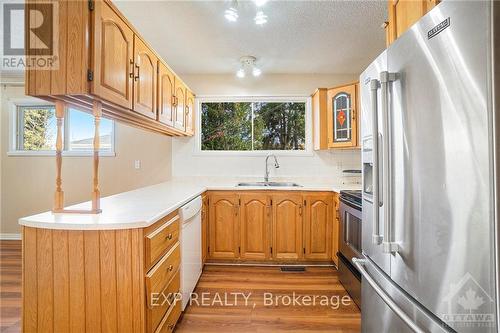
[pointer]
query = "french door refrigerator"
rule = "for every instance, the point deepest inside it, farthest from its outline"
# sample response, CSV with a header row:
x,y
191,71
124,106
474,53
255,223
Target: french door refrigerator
x,y
430,105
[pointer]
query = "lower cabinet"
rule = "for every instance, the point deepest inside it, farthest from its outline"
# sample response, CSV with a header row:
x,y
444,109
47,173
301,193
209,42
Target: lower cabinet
x,y
224,225
271,226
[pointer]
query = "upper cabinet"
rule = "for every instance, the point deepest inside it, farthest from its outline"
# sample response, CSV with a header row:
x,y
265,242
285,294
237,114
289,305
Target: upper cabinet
x,y
335,117
100,56
113,58
144,79
403,14
166,95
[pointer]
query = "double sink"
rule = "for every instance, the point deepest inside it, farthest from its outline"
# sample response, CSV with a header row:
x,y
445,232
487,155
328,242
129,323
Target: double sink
x,y
269,184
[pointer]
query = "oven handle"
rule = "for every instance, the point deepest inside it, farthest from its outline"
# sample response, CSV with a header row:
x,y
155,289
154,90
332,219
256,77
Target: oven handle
x,y
376,236
360,265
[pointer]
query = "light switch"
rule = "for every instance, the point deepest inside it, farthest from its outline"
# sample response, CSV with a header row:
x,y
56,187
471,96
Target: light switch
x,y
137,164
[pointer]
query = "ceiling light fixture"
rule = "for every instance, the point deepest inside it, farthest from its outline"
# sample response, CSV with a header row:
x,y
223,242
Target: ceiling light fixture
x,y
260,3
231,14
260,18
247,64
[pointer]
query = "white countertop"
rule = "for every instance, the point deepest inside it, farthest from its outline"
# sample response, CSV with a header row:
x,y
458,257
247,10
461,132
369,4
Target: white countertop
x,y
142,207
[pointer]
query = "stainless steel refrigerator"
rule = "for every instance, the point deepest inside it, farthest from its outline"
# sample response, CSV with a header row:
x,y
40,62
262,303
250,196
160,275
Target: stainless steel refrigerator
x,y
430,175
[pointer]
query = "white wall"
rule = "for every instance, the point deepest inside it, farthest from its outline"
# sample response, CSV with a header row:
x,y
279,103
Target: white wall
x,y
185,162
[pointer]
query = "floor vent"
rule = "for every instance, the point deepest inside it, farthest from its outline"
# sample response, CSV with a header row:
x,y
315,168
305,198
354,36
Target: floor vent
x,y
293,269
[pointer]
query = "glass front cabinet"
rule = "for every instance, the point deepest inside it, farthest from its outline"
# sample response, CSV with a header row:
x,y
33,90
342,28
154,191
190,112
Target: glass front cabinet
x,y
342,116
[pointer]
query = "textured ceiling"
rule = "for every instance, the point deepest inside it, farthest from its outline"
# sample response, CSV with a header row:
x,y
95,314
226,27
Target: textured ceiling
x,y
300,36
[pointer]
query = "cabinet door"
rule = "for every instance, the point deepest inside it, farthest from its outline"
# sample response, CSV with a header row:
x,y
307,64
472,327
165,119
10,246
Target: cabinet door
x,y
255,226
112,57
166,86
204,229
180,105
224,225
342,119
189,112
144,79
318,225
287,226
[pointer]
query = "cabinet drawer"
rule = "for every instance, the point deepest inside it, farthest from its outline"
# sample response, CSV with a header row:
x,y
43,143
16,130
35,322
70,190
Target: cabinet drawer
x,y
167,324
161,239
161,274
157,310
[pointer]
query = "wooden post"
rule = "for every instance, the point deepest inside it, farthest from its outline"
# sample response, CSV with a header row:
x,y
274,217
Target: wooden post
x,y
96,194
59,195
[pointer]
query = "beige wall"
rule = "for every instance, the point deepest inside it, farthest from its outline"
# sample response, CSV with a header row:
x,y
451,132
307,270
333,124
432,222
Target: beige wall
x,y
27,182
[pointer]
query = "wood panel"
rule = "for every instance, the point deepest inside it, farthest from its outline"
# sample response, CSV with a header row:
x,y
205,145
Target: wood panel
x,y
224,225
77,281
287,226
10,285
255,226
166,91
336,228
256,316
320,119
113,57
318,225
145,84
204,229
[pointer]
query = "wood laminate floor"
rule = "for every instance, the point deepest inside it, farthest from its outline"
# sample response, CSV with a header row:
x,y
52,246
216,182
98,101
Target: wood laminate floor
x,y
230,299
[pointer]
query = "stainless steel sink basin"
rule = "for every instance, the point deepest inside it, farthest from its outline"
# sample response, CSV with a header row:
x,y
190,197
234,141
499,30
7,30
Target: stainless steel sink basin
x,y
270,184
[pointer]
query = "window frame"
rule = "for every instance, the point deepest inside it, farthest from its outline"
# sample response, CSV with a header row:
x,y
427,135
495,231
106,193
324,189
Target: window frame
x,y
308,151
14,132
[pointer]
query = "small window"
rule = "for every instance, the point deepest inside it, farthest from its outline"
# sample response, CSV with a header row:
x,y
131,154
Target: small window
x,y
37,131
253,126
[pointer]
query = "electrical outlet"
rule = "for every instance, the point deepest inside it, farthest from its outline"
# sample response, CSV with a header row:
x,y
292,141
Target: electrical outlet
x,y
137,164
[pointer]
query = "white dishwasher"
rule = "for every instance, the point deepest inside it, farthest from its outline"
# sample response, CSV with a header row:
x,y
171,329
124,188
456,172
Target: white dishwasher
x,y
190,215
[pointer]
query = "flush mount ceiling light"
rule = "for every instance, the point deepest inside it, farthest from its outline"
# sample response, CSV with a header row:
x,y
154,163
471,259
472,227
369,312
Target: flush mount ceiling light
x,y
260,3
248,64
260,18
231,14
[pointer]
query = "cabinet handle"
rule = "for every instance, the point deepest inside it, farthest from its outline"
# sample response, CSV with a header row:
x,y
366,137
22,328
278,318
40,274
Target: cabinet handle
x,y
138,71
131,74
169,236
170,268
236,210
187,110
170,327
300,210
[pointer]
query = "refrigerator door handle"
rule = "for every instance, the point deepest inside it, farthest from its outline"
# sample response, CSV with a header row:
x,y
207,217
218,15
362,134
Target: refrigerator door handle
x,y
376,236
388,244
360,265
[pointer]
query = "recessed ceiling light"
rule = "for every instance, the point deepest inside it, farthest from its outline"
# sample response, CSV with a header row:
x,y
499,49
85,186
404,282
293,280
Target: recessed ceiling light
x,y
260,3
260,18
231,14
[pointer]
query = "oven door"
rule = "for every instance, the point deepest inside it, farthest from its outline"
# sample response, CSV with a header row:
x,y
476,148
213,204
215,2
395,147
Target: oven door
x,y
350,230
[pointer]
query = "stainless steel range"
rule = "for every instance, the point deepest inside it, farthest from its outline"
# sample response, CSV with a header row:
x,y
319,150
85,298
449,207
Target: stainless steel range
x,y
350,242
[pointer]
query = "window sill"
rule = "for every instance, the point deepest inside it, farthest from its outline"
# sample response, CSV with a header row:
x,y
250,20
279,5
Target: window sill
x,y
65,153
278,153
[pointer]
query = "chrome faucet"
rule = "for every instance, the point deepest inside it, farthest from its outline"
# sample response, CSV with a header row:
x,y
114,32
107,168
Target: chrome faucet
x,y
276,165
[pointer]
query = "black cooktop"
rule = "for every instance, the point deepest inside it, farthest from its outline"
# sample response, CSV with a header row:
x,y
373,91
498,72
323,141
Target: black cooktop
x,y
353,196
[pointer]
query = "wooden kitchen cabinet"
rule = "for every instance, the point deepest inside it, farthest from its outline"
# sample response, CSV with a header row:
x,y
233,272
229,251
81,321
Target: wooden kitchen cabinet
x,y
224,225
402,14
320,119
342,116
102,58
113,57
166,97
145,83
180,106
255,225
336,228
204,228
318,225
287,226
189,112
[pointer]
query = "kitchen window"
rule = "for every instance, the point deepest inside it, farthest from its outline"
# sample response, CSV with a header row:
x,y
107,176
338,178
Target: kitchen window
x,y
35,132
254,125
